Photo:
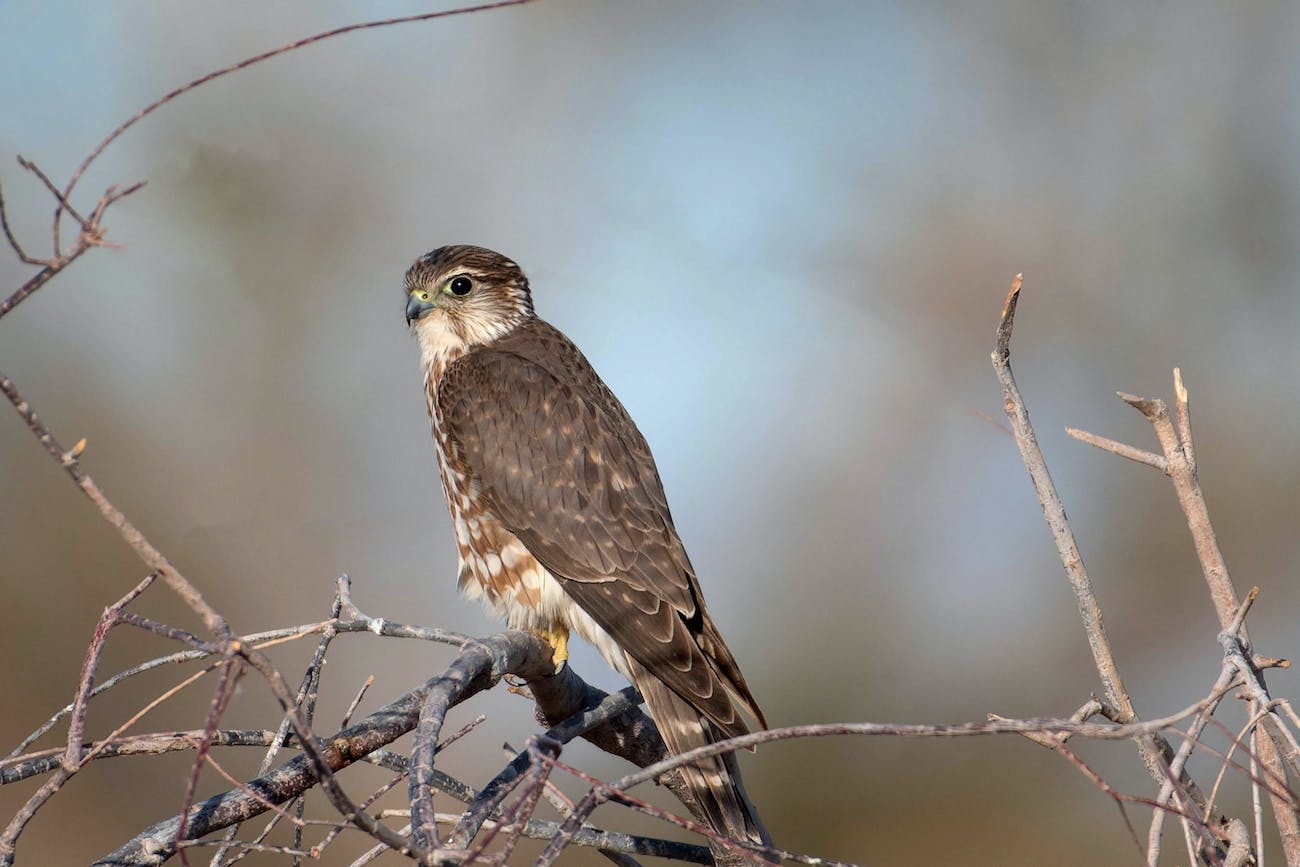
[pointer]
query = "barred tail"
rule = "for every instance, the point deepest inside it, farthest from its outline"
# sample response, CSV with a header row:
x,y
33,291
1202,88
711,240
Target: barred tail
x,y
714,782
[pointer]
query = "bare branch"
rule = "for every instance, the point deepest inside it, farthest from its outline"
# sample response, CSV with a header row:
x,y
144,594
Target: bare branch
x,y
91,235
1183,410
1277,750
86,226
154,743
258,58
220,700
487,659
92,231
14,243
40,278
564,806
151,556
256,639
1086,711
1188,488
1255,802
1050,501
608,842
356,701
71,760
495,791
338,827
1154,750
1151,459
616,790
1228,677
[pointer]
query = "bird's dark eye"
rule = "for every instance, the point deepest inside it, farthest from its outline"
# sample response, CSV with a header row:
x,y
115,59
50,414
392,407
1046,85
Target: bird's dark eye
x,y
460,286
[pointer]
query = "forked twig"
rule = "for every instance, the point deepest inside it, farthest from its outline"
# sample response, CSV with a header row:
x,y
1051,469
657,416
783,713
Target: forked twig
x,y
1277,748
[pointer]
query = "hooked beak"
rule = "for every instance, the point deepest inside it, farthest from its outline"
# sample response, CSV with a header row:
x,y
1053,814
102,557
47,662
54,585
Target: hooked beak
x,y
415,308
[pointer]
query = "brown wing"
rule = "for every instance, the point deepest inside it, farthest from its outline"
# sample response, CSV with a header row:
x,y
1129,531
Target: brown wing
x,y
557,459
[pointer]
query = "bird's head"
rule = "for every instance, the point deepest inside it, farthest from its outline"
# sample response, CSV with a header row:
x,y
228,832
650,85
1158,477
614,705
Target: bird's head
x,y
461,296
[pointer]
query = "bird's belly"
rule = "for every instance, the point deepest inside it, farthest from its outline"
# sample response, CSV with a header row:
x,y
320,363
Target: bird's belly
x,y
498,570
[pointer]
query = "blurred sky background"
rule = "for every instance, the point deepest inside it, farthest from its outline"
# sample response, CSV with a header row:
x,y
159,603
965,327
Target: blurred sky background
x,y
782,232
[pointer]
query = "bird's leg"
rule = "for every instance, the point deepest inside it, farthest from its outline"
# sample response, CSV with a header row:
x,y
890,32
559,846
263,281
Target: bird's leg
x,y
557,636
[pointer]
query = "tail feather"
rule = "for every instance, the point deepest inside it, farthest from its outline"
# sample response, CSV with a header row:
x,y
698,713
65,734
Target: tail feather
x,y
714,782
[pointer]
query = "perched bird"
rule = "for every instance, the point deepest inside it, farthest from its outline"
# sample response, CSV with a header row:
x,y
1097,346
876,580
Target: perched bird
x,y
561,520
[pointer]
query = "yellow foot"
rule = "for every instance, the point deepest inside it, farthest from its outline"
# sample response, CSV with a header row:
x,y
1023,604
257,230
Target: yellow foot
x,y
558,638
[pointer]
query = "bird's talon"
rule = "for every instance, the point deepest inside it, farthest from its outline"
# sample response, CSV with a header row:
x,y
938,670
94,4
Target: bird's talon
x,y
558,639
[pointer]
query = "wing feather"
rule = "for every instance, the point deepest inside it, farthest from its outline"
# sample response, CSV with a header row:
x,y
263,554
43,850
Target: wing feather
x,y
557,459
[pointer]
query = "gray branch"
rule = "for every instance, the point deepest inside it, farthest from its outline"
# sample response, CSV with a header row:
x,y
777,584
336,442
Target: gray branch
x,y
1155,751
479,665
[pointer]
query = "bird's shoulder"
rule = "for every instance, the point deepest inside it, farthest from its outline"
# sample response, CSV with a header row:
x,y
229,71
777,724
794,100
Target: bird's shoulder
x,y
533,358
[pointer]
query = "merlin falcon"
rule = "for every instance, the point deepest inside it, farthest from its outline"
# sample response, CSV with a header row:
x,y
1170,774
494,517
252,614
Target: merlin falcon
x,y
561,520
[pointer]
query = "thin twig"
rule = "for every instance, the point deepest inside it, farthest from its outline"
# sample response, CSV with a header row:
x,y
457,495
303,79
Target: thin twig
x,y
501,785
1153,749
252,846
1086,711
258,58
92,235
1183,414
1256,806
1234,744
86,226
220,700
516,818
150,744
1190,497
1151,459
307,691
718,843
365,805
617,789
356,702
256,639
71,760
1170,787
355,622
13,240
1050,501
321,767
516,652
151,556
611,842
1276,749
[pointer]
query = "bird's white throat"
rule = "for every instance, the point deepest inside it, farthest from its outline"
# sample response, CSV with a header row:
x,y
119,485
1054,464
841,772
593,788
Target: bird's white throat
x,y
439,342
442,342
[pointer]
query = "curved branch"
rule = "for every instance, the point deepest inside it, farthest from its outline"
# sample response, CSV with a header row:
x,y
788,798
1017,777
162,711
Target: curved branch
x,y
250,61
602,792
